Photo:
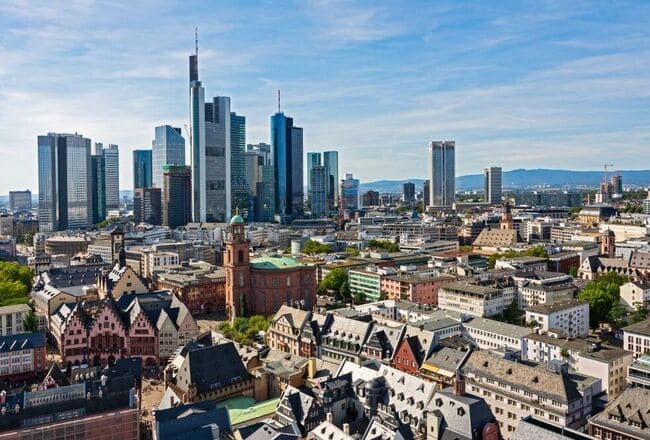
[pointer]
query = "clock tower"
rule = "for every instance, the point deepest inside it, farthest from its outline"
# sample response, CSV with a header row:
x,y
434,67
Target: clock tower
x,y
238,270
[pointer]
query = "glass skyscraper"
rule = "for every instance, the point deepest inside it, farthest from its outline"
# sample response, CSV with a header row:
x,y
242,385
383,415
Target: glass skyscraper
x,y
98,185
241,190
176,197
167,148
142,163
286,153
331,164
350,194
442,173
112,173
318,192
492,185
64,182
313,159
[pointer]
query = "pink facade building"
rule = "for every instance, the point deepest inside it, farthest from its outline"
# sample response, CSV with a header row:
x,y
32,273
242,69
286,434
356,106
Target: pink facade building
x,y
414,288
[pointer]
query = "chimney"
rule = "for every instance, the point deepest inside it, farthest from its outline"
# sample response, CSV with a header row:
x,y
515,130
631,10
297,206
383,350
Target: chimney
x,y
330,417
346,428
459,384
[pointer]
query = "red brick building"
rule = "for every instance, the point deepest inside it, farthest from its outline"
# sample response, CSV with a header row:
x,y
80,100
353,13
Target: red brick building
x,y
414,288
22,356
262,285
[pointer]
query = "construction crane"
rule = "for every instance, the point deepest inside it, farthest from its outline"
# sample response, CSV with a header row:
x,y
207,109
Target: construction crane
x,y
605,167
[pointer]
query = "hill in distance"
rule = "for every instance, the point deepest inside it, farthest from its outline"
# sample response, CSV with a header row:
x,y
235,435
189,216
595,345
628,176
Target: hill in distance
x,y
522,178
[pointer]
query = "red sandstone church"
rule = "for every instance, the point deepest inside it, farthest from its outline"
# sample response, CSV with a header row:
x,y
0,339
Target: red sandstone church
x,y
262,285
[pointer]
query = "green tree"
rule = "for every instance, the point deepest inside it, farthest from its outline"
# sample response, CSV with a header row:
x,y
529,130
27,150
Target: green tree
x,y
603,295
337,281
564,353
359,298
532,323
312,247
383,245
573,271
30,322
535,251
352,252
638,315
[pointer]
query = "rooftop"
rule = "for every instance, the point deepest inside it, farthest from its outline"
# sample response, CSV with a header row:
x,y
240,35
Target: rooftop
x,y
557,306
498,327
275,262
640,328
244,409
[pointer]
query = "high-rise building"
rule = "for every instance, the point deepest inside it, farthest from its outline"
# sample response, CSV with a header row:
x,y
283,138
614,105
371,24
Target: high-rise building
x,y
318,193
176,195
349,194
297,176
64,182
98,187
147,205
241,190
370,198
313,159
167,148
408,193
265,200
261,149
426,193
331,163
111,155
142,163
19,200
442,173
492,185
287,160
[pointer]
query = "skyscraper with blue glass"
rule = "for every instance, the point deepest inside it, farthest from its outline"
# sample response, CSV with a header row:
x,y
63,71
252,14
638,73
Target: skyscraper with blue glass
x,y
142,163
286,152
241,191
331,164
167,148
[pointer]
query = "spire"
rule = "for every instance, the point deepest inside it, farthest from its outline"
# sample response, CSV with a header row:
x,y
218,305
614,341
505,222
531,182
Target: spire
x,y
278,100
196,41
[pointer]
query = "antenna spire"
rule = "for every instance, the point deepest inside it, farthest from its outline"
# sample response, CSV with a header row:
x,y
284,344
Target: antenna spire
x,y
278,100
196,41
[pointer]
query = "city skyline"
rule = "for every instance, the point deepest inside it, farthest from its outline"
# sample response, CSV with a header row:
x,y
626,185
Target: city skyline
x,y
544,85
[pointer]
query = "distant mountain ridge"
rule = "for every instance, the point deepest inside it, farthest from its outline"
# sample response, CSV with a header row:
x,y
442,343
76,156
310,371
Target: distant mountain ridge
x,y
523,178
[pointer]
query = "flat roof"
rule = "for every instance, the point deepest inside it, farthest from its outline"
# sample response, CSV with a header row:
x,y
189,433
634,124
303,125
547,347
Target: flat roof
x,y
244,409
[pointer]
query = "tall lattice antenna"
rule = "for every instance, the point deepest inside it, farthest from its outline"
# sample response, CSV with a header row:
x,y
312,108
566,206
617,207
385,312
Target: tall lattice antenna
x,y
278,100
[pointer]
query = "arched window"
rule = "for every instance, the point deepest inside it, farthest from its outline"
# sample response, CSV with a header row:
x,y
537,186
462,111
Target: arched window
x,y
240,256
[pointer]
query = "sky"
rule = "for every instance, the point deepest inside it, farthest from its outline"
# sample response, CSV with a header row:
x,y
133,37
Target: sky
x,y
516,84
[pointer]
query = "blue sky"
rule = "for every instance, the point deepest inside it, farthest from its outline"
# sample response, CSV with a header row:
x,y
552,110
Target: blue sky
x,y
517,84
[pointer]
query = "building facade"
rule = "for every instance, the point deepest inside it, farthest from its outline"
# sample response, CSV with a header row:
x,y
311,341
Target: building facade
x,y
442,173
142,169
176,196
492,185
167,148
147,205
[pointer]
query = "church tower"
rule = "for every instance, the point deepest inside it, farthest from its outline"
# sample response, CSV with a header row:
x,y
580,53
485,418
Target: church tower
x,y
117,246
506,217
238,271
608,243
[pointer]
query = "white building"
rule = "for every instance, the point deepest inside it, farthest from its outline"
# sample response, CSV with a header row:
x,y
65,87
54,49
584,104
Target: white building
x,y
635,294
540,287
636,338
475,299
489,334
569,315
158,261
11,319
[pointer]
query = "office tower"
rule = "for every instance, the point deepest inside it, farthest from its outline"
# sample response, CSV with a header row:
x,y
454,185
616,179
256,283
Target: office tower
x,y
426,191
197,140
111,155
318,193
442,173
142,162
147,205
408,193
19,200
98,185
167,148
617,186
297,176
349,193
313,159
492,185
261,149
64,182
176,195
265,201
331,163
370,198
241,191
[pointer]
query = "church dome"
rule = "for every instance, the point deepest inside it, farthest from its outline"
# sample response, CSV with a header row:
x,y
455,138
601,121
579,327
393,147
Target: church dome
x,y
236,220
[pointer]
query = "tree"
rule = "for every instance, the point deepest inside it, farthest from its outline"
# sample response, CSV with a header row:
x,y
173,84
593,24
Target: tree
x,y
512,314
312,247
15,283
535,251
337,281
359,298
573,271
603,295
352,252
638,315
30,322
532,323
564,353
617,315
383,245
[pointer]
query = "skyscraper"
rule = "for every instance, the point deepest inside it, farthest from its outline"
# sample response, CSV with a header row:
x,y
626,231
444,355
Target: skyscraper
x,y
98,187
64,182
313,159
19,200
349,194
142,162
167,148
176,196
297,176
318,193
492,185
111,155
331,163
261,149
281,154
197,140
241,191
265,200
442,173
147,205
408,193
426,193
